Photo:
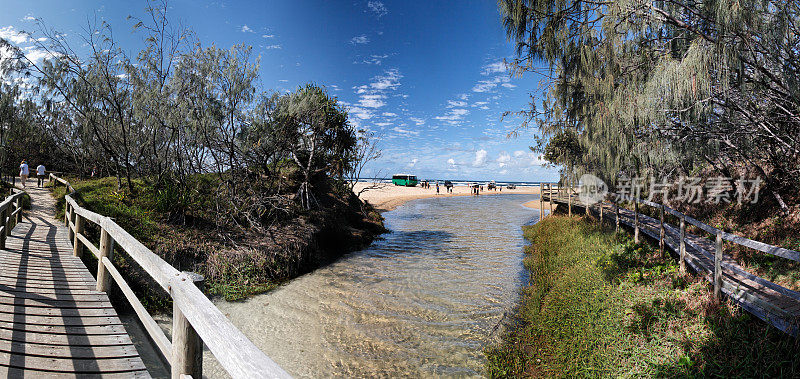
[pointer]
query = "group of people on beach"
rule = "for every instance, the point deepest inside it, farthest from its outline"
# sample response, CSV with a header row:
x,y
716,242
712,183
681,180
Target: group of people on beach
x,y
24,173
448,186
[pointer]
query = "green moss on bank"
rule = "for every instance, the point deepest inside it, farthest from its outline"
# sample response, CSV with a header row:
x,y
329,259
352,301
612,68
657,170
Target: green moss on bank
x,y
600,305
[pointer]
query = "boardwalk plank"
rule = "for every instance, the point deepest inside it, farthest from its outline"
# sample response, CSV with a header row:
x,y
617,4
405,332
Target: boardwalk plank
x,y
73,365
53,323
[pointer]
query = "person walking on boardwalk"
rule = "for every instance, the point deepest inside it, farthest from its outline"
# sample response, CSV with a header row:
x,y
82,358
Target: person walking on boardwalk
x,y
40,170
23,173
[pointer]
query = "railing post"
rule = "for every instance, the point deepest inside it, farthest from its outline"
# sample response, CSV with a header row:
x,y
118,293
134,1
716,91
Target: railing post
x,y
718,267
683,243
106,251
569,199
71,219
77,245
66,212
600,204
3,223
616,219
19,206
541,201
636,220
7,220
550,196
187,347
661,232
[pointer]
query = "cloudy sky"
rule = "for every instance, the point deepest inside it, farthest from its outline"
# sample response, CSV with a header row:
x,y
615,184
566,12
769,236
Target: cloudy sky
x,y
427,77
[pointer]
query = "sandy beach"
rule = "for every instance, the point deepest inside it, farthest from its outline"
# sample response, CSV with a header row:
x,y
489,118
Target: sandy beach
x,y
386,197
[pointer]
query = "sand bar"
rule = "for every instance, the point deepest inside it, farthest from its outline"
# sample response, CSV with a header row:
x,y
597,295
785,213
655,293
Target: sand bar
x,y
385,197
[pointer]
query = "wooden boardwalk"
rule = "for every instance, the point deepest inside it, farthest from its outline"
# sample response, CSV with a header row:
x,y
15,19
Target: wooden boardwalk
x,y
770,302
53,321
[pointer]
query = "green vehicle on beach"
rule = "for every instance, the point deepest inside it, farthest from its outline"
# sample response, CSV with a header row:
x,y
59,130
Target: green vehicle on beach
x,y
405,180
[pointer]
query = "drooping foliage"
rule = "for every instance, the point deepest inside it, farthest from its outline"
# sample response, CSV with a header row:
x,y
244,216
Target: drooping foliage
x,y
655,87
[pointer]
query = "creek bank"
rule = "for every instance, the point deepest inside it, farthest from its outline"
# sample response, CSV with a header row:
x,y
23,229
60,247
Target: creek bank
x,y
237,263
599,305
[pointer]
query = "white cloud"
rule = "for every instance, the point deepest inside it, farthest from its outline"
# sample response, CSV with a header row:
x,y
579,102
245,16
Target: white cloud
x,y
359,40
405,131
413,163
418,121
519,154
508,85
373,95
28,18
361,113
504,159
372,101
246,29
453,116
268,36
490,84
374,59
451,162
494,68
389,114
464,96
390,80
480,158
15,37
37,55
270,47
378,8
453,104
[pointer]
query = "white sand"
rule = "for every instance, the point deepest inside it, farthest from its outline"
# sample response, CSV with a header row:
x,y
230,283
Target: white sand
x,y
385,197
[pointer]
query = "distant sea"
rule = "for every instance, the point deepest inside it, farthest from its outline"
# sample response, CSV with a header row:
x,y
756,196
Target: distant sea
x,y
456,182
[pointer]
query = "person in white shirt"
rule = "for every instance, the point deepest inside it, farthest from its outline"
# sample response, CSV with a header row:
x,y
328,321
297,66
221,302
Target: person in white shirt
x,y
40,170
23,173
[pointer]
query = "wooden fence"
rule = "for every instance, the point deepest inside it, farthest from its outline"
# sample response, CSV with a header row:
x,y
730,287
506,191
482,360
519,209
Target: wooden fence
x,y
10,215
568,196
195,318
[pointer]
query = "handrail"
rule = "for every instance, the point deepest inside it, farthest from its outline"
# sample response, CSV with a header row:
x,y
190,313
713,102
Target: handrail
x,y
716,256
739,240
9,218
730,237
195,318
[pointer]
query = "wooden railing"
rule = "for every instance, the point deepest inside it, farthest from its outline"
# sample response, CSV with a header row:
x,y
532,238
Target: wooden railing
x,y
719,235
195,318
10,215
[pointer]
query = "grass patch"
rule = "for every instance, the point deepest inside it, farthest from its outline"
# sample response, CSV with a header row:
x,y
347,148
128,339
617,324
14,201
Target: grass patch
x,y
600,305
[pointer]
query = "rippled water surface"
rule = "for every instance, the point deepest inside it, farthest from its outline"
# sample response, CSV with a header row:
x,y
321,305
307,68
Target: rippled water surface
x,y
423,301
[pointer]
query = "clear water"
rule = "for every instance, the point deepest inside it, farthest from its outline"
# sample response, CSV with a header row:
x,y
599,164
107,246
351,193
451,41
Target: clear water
x,y
422,301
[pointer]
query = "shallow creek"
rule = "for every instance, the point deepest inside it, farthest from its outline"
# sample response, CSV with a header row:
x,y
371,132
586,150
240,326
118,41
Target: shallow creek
x,y
424,300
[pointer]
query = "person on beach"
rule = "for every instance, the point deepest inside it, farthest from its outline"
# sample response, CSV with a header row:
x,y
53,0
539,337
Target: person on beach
x,y
437,187
40,170
23,173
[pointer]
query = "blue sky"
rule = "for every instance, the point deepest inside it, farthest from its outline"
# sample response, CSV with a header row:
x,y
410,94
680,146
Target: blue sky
x,y
426,76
